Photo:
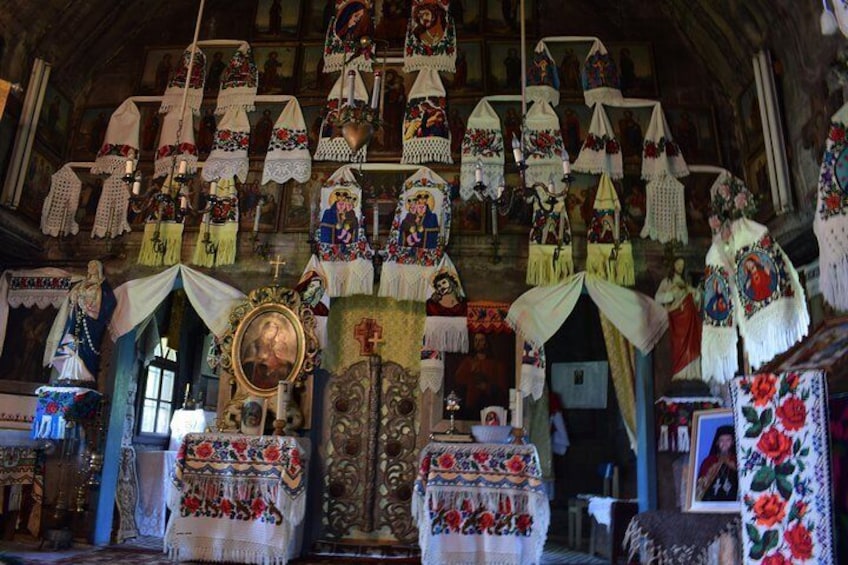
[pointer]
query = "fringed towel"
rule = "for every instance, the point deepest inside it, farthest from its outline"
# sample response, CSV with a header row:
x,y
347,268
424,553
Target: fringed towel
x,y
601,151
831,221
446,325
482,145
172,150
719,358
331,145
550,259
543,146
239,82
783,456
770,307
673,538
221,223
58,214
351,21
543,76
58,405
162,241
426,135
660,153
601,82
730,200
343,252
665,215
609,254
121,141
173,96
432,370
533,366
110,220
417,239
430,37
312,288
288,150
229,158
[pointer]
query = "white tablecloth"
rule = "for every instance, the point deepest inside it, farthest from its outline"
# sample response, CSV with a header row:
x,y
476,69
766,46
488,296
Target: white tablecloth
x,y
154,475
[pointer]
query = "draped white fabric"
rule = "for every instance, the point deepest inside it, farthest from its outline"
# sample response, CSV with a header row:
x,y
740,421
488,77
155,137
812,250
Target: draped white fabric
x,y
538,313
139,298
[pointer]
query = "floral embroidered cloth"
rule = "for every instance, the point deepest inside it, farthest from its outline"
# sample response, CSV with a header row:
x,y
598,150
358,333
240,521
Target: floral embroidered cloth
x,y
58,405
480,503
784,467
22,466
235,498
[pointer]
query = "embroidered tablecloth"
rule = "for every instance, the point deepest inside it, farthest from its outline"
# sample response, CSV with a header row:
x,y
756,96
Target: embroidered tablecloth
x,y
235,498
480,503
19,467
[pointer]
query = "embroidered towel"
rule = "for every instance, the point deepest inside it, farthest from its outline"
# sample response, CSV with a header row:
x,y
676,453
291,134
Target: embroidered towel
x,y
601,82
173,97
228,158
352,20
601,151
288,149
482,145
60,207
430,37
239,82
121,141
331,145
542,76
426,135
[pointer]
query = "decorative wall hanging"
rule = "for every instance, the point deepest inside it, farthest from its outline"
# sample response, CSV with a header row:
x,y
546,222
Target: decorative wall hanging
x,y
770,307
312,288
121,140
660,153
426,135
162,241
216,241
171,150
446,326
543,146
229,158
609,254
601,151
288,149
239,82
601,82
173,96
416,244
110,220
352,21
542,76
343,252
665,211
550,260
58,215
483,147
719,358
430,37
730,200
347,95
831,221
784,467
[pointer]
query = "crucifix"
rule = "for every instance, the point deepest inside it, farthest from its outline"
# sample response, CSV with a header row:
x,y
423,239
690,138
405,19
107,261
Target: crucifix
x,y
277,262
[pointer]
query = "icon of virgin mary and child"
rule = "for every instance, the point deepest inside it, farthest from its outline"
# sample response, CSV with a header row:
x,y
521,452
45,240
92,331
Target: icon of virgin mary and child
x,y
420,225
339,223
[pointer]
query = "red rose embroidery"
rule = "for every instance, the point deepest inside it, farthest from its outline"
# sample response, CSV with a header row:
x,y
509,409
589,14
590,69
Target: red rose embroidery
x,y
52,407
226,506
769,510
792,381
487,520
453,519
191,504
801,507
833,202
762,389
523,522
204,450
515,464
481,457
239,446
258,506
800,542
775,445
792,413
271,453
837,133
446,461
776,559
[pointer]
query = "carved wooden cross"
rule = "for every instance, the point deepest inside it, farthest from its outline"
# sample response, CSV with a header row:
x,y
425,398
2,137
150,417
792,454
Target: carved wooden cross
x,y
277,262
368,333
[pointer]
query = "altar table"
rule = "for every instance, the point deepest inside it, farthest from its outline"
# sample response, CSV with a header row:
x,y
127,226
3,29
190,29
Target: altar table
x,y
235,498
480,503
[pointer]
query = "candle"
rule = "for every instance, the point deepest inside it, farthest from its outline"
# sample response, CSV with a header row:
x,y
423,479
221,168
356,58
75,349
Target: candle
x,y
183,202
351,75
566,163
375,219
516,149
478,172
183,167
494,219
256,216
128,167
281,399
518,408
136,188
375,94
213,188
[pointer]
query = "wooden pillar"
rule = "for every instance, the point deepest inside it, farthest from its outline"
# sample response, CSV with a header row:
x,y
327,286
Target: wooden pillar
x,y
646,460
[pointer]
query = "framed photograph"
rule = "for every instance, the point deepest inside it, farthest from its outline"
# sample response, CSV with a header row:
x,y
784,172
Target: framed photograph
x,y
757,179
752,123
504,67
276,65
483,376
713,479
569,58
581,385
268,347
312,80
90,133
23,350
253,412
42,165
54,121
159,66
694,129
468,77
636,68
502,17
276,19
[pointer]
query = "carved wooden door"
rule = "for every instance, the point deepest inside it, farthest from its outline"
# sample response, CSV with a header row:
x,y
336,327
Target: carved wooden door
x,y
371,455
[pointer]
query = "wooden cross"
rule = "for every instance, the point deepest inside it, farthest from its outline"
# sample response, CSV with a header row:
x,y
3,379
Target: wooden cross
x,y
368,333
277,262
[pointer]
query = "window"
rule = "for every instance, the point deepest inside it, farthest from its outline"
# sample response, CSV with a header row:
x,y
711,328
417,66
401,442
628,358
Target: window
x,y
157,391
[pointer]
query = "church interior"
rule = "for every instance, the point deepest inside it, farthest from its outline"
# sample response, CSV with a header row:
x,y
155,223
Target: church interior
x,y
423,281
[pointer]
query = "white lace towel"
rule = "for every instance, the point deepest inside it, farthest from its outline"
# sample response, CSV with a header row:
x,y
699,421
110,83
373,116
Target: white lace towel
x,y
288,150
665,217
110,220
60,207
228,158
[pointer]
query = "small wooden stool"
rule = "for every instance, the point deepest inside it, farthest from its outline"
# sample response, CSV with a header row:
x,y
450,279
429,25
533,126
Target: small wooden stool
x,y
576,508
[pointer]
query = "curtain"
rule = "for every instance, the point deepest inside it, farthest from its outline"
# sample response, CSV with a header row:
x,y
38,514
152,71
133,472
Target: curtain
x,y
623,370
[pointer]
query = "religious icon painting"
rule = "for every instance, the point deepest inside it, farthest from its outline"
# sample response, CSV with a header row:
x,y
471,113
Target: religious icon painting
x,y
468,217
39,171
159,66
216,64
88,138
259,205
312,80
300,202
504,67
569,58
392,18
387,143
262,126
459,110
574,120
22,357
468,76
419,234
636,69
633,203
694,130
698,203
276,19
343,251
503,18
718,303
253,412
54,121
752,123
630,126
712,484
581,195
351,21
276,65
757,179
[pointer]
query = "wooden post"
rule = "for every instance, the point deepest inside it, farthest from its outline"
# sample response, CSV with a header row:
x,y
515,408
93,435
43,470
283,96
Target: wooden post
x,y
646,460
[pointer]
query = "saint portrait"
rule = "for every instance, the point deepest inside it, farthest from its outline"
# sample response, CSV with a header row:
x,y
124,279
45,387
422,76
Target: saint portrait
x,y
757,276
419,226
484,375
268,348
713,481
